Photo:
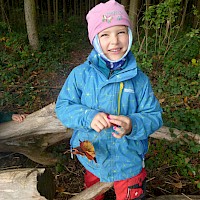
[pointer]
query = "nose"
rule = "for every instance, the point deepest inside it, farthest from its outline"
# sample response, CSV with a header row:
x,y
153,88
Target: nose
x,y
114,39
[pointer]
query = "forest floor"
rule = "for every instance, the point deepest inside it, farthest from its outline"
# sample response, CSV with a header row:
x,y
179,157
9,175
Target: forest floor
x,y
69,180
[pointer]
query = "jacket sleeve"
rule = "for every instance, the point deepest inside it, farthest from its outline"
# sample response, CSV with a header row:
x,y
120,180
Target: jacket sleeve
x,y
5,116
69,109
148,117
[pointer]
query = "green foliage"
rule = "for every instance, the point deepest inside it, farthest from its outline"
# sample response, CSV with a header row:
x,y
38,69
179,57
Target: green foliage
x,y
171,59
159,26
20,66
3,27
176,157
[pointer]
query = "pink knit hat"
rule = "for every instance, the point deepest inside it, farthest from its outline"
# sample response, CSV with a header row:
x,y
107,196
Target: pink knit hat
x,y
105,15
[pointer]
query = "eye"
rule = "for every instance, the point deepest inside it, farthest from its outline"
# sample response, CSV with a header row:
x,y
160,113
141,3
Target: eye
x,y
104,35
122,32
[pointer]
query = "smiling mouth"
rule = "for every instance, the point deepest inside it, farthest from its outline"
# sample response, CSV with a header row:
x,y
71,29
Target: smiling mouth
x,y
115,50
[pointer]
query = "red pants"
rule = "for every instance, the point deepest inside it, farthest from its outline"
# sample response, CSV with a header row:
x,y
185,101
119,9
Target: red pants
x,y
131,188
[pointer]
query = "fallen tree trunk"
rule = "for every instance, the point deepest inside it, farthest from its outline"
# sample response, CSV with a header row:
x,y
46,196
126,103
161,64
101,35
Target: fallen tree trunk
x,y
26,184
176,197
93,191
42,129
34,135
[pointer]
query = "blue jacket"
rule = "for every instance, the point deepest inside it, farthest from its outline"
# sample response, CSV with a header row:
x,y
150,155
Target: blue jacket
x,y
90,89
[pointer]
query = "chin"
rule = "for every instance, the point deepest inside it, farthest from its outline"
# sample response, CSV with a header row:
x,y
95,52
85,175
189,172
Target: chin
x,y
115,58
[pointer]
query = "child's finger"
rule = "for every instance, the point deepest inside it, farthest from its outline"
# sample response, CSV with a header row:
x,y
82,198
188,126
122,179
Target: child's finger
x,y
118,136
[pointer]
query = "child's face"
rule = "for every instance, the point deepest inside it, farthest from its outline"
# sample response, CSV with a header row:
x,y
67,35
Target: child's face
x,y
114,42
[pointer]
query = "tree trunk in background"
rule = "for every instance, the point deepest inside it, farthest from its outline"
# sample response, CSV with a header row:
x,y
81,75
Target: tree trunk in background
x,y
96,2
42,11
89,4
133,8
2,11
37,10
75,7
125,4
86,6
147,2
49,10
81,8
30,17
196,20
184,14
64,10
56,12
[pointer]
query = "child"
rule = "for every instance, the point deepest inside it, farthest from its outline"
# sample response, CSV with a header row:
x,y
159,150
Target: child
x,y
5,117
109,101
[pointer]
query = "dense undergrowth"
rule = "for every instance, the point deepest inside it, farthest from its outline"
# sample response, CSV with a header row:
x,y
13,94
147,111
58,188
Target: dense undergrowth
x,y
26,83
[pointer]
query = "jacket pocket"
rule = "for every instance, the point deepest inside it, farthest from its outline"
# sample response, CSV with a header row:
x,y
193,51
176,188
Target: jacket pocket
x,y
137,186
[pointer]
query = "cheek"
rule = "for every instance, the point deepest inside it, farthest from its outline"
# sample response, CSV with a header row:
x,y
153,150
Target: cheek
x,y
126,43
103,45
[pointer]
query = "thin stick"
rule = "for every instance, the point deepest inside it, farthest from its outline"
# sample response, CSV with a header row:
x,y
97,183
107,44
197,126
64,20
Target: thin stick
x,y
163,190
73,194
186,196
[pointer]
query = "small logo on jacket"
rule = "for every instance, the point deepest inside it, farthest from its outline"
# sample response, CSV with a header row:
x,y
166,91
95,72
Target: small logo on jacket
x,y
129,90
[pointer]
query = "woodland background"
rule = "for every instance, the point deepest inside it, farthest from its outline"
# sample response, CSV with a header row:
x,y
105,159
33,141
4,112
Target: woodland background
x,y
41,41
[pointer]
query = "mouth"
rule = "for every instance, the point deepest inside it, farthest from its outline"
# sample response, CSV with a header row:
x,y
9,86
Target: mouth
x,y
115,50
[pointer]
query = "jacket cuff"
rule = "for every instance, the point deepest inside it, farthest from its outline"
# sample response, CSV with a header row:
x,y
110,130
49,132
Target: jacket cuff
x,y
134,128
90,117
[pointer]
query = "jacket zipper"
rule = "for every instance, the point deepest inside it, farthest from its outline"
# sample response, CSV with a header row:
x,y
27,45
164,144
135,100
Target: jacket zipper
x,y
110,73
121,86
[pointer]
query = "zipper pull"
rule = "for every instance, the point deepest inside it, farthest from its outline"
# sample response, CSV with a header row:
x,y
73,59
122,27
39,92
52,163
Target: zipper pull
x,y
143,163
72,155
110,73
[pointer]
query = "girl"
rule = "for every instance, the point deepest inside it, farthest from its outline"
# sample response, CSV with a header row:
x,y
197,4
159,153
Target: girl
x,y
109,101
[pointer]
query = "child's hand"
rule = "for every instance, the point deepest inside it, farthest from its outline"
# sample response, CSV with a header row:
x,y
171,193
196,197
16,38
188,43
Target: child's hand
x,y
123,125
100,122
18,117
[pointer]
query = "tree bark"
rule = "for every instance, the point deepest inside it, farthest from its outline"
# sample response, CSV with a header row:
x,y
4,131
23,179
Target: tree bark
x,y
133,11
34,135
93,191
125,4
64,10
176,197
26,184
2,11
184,14
96,2
49,10
196,19
30,17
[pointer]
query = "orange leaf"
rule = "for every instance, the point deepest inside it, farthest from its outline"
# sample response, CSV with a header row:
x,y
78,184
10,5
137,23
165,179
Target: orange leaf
x,y
86,148
185,99
161,100
178,185
60,189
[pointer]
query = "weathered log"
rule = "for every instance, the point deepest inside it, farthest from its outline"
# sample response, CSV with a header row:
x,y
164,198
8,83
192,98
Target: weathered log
x,y
100,188
93,191
26,184
34,135
176,197
172,134
42,129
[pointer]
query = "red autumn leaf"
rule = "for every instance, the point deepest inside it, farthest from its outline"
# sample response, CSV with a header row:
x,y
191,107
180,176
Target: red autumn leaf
x,y
86,148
